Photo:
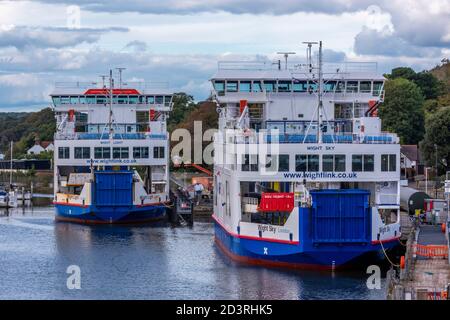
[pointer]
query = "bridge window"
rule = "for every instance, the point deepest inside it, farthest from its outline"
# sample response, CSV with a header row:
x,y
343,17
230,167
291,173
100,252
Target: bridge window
x,y
363,162
329,86
56,100
83,100
312,86
377,86
284,86
300,86
232,86
82,153
74,100
133,99
245,86
365,86
352,86
167,100
90,99
333,162
122,100
257,86
388,162
140,152
219,86
102,153
65,100
64,153
249,162
102,100
269,86
150,99
340,87
307,162
159,99
120,153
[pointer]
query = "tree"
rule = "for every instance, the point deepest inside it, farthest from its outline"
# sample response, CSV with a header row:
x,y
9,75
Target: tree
x,y
402,72
428,84
437,137
425,80
402,111
183,105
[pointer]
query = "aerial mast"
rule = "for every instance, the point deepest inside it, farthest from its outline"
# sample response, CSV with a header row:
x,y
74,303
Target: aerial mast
x,y
120,69
111,84
320,95
286,56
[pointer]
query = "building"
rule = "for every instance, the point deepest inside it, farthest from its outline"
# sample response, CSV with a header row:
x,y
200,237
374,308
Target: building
x,y
410,161
41,146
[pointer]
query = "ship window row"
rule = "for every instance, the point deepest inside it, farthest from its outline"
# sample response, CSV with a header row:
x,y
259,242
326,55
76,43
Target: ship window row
x,y
105,152
311,162
353,86
120,99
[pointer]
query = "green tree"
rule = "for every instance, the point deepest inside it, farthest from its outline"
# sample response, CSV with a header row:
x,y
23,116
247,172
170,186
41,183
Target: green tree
x,y
425,80
428,84
402,111
402,72
183,105
437,137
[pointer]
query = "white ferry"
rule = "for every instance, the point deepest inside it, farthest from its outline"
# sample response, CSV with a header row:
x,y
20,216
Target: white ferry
x,y
111,151
303,175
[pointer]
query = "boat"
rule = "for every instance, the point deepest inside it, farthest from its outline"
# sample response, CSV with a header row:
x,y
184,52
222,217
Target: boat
x,y
304,177
7,200
111,151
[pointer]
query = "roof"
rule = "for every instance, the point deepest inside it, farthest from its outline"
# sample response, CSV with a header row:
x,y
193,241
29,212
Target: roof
x,y
92,88
411,151
263,70
45,144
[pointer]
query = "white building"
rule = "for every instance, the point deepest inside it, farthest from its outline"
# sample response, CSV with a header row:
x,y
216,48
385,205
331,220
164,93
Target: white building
x,y
41,146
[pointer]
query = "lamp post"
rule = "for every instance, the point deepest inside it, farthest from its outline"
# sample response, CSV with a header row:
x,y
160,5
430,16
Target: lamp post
x,y
435,171
426,180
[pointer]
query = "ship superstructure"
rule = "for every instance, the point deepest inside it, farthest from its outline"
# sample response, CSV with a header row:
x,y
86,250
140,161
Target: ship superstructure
x,y
111,151
303,174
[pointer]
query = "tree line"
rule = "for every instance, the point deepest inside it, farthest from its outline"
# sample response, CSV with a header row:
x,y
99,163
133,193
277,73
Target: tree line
x,y
417,107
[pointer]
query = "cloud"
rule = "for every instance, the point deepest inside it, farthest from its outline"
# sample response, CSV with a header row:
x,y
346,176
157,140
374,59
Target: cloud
x,y
135,46
231,6
385,43
22,37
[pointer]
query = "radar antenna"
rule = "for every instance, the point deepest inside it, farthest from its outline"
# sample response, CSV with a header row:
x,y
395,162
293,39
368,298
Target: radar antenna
x,y
286,56
120,69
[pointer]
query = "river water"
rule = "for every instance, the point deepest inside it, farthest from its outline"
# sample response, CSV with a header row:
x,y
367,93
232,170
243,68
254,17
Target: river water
x,y
145,262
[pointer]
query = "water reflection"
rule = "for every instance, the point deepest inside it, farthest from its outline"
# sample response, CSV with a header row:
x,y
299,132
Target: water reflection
x,y
145,262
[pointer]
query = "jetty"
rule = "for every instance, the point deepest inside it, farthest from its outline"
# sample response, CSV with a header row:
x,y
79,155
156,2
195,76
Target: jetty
x,y
424,270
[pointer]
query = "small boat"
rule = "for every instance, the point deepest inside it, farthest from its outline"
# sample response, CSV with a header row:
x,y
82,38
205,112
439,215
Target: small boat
x,y
7,200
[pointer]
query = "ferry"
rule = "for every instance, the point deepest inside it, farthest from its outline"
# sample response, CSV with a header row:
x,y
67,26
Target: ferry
x,y
111,151
304,177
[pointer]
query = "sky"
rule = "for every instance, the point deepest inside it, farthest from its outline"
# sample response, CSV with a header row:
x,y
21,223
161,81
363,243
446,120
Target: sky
x,y
181,41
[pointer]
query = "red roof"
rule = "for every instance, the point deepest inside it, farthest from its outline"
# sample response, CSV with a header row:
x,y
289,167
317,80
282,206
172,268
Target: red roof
x,y
115,91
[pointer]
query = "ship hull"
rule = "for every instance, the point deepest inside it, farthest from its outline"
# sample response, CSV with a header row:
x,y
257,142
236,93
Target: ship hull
x,y
292,256
110,215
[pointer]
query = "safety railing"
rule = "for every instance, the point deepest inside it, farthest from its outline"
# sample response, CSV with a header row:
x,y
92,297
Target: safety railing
x,y
431,251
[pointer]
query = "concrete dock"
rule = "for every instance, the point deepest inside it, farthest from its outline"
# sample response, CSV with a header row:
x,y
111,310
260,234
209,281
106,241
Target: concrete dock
x,y
425,272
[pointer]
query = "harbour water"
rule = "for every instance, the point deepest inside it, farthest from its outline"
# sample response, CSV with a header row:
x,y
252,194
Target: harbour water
x,y
146,262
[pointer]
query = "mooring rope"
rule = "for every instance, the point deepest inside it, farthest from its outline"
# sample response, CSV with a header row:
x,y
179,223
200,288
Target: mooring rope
x,y
385,254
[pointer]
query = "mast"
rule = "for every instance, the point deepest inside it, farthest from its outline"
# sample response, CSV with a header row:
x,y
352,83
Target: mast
x,y
286,56
11,166
320,95
110,104
120,69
